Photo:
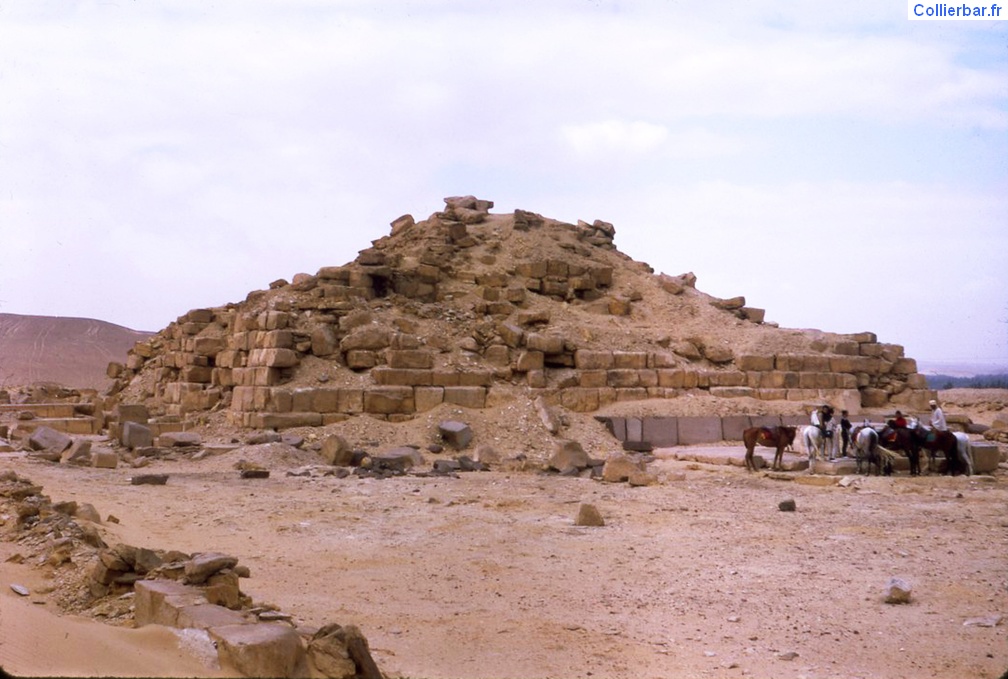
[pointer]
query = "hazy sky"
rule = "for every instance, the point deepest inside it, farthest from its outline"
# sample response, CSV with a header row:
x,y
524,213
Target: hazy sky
x,y
839,165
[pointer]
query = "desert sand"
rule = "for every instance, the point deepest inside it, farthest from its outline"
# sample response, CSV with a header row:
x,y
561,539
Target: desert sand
x,y
486,575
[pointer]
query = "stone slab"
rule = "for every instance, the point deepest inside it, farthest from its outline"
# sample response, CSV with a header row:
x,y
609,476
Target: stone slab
x,y
262,650
986,457
157,602
693,430
660,431
732,426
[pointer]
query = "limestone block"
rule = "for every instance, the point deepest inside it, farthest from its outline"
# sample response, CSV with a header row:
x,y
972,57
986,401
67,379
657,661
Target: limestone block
x,y
208,346
350,401
986,457
367,337
873,398
728,378
619,467
273,320
634,360
754,314
135,435
157,602
693,430
475,378
358,359
287,420
592,378
324,400
593,360
132,413
568,454
427,398
673,379
395,376
537,269
47,438
622,378
324,341
546,343
467,397
78,453
104,459
578,399
631,394
904,366
751,362
273,358
530,361
412,359
274,339
661,432
445,378
206,615
389,399
732,426
261,650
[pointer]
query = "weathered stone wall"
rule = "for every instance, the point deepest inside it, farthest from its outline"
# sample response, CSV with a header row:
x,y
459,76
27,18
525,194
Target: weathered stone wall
x,y
247,361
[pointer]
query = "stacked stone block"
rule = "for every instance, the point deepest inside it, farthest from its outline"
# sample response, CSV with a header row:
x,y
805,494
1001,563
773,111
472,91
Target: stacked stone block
x,y
245,357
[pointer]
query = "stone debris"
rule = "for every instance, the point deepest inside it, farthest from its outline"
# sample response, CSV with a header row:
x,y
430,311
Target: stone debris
x,y
149,480
456,434
588,515
898,591
787,505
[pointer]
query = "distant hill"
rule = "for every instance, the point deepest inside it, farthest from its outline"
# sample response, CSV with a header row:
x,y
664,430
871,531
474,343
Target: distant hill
x,y
74,352
992,381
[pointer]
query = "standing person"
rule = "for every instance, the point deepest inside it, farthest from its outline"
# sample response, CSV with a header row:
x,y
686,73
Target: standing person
x,y
937,417
845,428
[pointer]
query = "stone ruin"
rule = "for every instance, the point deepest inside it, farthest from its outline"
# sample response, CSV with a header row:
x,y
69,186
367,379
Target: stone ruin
x,y
466,307
199,592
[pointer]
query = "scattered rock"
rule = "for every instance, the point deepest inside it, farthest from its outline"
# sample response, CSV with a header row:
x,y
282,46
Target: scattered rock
x,y
898,591
588,515
149,479
458,435
567,455
20,590
202,566
787,505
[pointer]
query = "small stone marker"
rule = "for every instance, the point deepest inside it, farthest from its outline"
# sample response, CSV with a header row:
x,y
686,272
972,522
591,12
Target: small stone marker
x,y
588,515
787,505
20,589
149,480
255,474
898,591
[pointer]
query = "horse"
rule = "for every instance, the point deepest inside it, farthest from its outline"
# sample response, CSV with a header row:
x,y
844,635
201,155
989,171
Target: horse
x,y
965,449
905,441
868,451
937,441
817,445
772,437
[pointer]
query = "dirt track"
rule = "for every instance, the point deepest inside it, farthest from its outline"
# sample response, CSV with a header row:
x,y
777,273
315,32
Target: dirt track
x,y
486,575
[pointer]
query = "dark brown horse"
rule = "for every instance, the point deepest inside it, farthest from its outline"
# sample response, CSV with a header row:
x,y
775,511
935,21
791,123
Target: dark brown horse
x,y
935,441
771,437
903,440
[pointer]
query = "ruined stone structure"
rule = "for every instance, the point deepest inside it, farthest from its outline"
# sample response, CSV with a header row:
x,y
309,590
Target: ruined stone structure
x,y
465,308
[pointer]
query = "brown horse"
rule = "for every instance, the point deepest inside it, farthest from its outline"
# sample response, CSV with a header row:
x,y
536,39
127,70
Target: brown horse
x,y
771,437
905,441
935,441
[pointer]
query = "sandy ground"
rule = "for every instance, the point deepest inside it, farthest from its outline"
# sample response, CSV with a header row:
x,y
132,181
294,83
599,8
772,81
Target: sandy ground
x,y
486,575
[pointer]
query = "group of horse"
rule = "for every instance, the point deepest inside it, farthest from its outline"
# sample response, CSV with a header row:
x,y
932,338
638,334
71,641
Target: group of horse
x,y
872,446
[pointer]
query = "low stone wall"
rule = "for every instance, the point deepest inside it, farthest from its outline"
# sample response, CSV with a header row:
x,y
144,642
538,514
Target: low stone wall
x,y
665,432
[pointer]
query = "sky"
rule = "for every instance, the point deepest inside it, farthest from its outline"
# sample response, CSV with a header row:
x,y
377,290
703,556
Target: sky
x,y
839,165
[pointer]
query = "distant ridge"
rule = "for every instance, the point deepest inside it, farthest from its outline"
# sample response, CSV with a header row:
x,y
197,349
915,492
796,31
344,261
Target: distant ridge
x,y
74,352
964,368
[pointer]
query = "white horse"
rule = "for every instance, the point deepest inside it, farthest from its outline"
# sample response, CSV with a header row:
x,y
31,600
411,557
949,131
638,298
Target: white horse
x,y
965,449
818,446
